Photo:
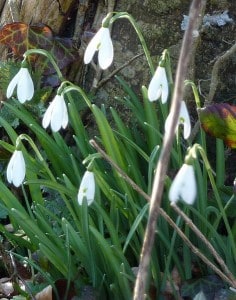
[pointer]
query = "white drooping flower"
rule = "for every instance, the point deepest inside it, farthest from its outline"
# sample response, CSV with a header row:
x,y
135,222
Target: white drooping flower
x,y
158,86
184,186
87,188
56,115
16,169
24,85
184,120
102,43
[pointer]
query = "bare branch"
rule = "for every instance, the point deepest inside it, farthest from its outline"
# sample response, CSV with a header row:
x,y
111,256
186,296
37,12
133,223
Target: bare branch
x,y
227,277
215,73
156,197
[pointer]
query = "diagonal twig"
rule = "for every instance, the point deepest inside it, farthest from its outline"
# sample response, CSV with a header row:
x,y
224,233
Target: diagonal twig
x,y
227,277
112,74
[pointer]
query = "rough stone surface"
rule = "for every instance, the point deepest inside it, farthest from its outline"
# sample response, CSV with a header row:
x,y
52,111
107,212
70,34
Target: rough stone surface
x,y
160,22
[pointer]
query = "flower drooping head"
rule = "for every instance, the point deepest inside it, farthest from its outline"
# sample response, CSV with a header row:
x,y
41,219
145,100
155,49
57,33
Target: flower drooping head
x,y
23,83
184,120
158,86
56,115
102,43
183,186
16,168
87,188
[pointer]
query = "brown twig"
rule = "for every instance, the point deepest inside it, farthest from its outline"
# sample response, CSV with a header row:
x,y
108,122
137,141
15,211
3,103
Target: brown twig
x,y
196,251
230,279
212,250
16,273
215,71
158,185
112,74
119,170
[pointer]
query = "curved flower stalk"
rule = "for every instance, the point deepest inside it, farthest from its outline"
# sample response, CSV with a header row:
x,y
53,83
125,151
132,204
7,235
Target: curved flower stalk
x,y
158,87
184,119
16,169
87,188
102,43
184,185
56,115
23,82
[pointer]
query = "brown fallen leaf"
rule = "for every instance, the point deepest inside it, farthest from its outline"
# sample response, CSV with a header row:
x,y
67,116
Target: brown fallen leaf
x,y
45,294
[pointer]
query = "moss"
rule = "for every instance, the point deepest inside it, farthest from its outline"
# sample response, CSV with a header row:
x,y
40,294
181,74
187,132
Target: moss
x,y
219,5
158,35
161,6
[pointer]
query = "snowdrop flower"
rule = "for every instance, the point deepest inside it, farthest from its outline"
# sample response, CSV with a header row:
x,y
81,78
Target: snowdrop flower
x,y
16,169
184,185
24,84
102,43
87,188
158,86
56,114
183,119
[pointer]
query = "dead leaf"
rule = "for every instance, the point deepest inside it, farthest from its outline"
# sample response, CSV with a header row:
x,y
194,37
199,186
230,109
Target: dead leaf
x,y
45,294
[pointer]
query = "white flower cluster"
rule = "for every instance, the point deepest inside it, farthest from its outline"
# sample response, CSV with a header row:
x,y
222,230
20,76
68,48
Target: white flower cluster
x,y
56,115
184,184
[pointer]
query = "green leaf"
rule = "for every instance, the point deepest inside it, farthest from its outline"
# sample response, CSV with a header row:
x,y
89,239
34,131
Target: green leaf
x,y
135,225
219,120
108,138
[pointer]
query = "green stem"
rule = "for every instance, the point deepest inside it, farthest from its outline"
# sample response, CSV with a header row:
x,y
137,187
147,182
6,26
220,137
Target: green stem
x,y
61,87
44,163
125,15
195,92
220,163
49,56
198,104
37,152
80,91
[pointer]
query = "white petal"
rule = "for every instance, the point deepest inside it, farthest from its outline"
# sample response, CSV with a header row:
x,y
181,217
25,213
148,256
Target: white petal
x,y
154,90
174,192
19,169
10,168
65,116
25,86
92,47
16,169
190,191
158,86
167,123
57,113
185,119
47,116
184,185
87,188
59,116
165,88
12,85
106,52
